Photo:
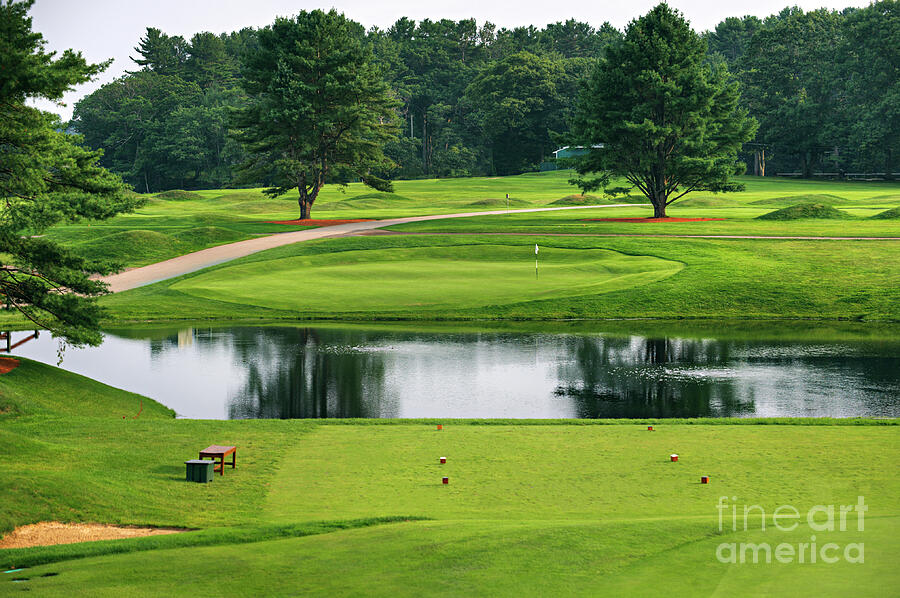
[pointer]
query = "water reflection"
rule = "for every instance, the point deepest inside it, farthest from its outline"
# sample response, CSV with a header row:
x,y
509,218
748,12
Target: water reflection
x,y
311,372
293,373
622,377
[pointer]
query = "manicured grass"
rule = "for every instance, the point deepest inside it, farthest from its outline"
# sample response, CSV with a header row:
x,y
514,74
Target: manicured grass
x,y
213,536
604,473
720,279
425,278
803,211
736,221
189,221
570,509
727,330
557,508
128,471
77,450
34,388
327,508
486,559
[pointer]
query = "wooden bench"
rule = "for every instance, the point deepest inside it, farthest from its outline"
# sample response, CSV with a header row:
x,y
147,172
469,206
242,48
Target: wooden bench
x,y
216,451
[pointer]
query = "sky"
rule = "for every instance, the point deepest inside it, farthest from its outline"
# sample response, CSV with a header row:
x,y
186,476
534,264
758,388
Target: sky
x,y
103,29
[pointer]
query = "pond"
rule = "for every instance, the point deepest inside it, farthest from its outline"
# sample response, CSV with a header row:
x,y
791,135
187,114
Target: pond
x,y
319,371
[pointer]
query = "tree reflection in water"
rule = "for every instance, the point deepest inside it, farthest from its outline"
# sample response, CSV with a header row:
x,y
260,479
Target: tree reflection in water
x,y
639,377
308,373
284,372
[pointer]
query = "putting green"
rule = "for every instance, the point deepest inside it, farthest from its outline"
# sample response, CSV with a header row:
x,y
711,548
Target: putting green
x,y
461,276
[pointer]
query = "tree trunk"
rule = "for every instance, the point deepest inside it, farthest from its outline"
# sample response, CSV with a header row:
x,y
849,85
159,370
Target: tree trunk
x,y
759,166
889,166
659,208
305,208
307,199
806,165
425,142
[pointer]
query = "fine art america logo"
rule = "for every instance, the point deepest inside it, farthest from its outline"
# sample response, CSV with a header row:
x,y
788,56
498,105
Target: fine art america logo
x,y
785,519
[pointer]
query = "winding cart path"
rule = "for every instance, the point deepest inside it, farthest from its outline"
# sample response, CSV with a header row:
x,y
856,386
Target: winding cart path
x,y
205,258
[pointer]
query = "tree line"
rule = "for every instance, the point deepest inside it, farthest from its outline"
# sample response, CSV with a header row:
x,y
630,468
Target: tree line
x,y
477,100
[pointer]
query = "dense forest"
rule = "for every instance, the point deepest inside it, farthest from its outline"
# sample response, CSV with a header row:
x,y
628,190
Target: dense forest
x,y
478,100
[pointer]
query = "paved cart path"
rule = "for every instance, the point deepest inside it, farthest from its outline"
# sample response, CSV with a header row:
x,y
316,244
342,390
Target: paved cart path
x,y
198,260
205,258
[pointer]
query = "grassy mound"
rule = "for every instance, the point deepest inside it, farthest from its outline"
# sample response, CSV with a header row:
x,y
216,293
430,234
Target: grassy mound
x,y
36,388
888,198
580,200
806,210
498,203
147,245
252,202
892,214
178,195
708,202
208,235
791,200
367,201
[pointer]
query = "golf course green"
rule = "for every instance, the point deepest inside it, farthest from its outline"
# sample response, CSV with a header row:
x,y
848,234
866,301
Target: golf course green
x,y
586,507
576,506
171,224
426,277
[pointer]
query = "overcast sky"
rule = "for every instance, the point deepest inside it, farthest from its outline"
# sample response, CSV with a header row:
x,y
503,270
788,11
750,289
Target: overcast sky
x,y
103,29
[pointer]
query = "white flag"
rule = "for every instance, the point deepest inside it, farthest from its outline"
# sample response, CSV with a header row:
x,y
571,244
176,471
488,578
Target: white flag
x,y
535,250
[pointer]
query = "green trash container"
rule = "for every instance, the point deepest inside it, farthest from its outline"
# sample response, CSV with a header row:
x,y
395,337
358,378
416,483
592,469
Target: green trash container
x,y
199,470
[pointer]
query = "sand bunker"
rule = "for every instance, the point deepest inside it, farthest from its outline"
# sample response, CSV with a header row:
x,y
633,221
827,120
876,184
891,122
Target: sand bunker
x,y
664,220
54,532
313,222
8,364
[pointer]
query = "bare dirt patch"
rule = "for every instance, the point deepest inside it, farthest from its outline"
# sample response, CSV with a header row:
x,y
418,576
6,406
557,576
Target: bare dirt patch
x,y
314,222
48,533
8,364
663,220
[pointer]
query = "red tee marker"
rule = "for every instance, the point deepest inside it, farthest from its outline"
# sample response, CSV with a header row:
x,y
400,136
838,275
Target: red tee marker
x,y
649,428
443,459
704,479
445,480
440,427
673,458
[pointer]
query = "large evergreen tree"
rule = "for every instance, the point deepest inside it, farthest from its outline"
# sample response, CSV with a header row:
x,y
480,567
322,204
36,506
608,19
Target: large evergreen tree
x,y
793,88
46,177
518,105
658,115
319,110
872,72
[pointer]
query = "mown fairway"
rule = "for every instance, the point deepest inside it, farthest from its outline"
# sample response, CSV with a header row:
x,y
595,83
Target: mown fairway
x,y
176,223
569,507
424,277
414,278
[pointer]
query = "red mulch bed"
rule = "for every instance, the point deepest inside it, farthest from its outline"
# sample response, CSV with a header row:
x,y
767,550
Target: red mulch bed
x,y
313,222
651,219
8,364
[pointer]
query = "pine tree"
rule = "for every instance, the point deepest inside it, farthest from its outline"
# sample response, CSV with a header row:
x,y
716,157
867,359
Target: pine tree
x,y
319,110
46,177
660,116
